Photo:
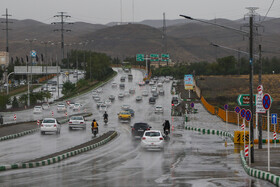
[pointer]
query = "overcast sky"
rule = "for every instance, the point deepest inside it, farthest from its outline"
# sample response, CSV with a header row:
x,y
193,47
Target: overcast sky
x,y
105,11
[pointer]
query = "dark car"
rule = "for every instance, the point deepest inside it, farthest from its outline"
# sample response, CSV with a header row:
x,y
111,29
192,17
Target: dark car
x,y
138,129
131,111
152,100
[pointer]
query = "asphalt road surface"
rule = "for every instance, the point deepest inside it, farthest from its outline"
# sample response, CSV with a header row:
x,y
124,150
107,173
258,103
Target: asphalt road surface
x,y
188,159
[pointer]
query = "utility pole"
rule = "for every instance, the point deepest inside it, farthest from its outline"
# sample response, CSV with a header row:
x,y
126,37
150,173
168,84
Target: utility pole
x,y
260,82
7,29
164,36
62,16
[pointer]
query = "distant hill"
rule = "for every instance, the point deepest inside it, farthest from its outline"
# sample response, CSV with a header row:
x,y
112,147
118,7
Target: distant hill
x,y
187,41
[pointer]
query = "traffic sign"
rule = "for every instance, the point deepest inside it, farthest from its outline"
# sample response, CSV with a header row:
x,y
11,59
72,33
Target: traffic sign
x,y
242,113
237,109
274,119
259,105
248,115
33,53
266,101
226,107
154,57
164,57
192,105
244,100
140,57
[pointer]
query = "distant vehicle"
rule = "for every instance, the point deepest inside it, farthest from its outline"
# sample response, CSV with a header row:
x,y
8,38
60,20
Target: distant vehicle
x,y
139,98
53,89
167,79
94,95
155,94
22,82
175,101
71,104
50,125
131,90
99,103
122,78
124,115
126,94
138,129
151,83
114,84
61,108
154,89
159,84
97,98
99,90
45,106
130,76
131,111
121,96
141,83
77,122
126,70
152,100
125,107
147,81
158,109
103,107
108,102
112,97
122,86
77,106
37,110
94,92
161,92
145,93
152,139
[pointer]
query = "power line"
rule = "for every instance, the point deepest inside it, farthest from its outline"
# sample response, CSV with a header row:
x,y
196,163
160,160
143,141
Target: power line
x,y
268,10
7,29
62,16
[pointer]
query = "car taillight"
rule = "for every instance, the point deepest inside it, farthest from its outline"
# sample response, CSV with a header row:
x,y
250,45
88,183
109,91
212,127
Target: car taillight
x,y
81,122
132,129
160,138
144,138
70,121
172,104
148,129
54,125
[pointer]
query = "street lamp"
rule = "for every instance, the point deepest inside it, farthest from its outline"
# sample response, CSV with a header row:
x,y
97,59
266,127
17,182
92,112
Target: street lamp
x,y
28,84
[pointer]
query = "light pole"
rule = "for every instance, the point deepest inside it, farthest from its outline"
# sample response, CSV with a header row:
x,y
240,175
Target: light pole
x,y
45,53
8,82
28,84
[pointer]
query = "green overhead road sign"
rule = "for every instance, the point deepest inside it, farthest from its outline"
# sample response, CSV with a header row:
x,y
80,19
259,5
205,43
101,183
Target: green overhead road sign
x,y
154,57
140,57
244,100
164,57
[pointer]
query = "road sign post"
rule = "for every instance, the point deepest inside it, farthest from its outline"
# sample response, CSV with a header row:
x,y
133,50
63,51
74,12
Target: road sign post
x,y
248,119
274,122
164,57
244,100
242,114
266,101
237,111
154,57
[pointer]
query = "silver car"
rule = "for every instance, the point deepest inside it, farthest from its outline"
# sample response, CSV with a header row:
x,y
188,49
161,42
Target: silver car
x,y
77,122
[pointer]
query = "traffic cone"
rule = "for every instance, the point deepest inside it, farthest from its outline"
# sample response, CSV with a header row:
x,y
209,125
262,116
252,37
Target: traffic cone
x,y
172,127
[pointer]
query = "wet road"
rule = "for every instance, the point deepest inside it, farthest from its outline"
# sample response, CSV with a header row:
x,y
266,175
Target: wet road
x,y
189,158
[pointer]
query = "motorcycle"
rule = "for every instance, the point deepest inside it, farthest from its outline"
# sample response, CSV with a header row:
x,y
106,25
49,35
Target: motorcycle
x,y
94,131
166,132
105,121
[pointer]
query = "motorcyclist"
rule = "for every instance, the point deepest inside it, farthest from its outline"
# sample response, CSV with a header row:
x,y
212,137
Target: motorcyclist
x,y
105,116
166,126
94,125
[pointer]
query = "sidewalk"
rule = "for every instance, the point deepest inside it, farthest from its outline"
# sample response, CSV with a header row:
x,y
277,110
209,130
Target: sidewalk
x,y
261,160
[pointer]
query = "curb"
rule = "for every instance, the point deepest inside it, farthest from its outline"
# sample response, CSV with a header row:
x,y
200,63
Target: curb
x,y
274,179
210,131
59,157
17,135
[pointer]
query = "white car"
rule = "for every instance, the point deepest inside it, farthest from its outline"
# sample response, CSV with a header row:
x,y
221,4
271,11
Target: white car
x,y
97,98
94,92
154,89
108,102
145,93
45,106
94,95
151,83
114,84
121,95
77,122
103,107
50,125
77,106
126,94
37,110
112,97
152,139
53,89
61,108
159,84
158,109
99,90
125,107
71,104
139,98
99,103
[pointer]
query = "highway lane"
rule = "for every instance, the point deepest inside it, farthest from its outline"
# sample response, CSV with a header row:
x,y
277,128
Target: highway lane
x,y
189,158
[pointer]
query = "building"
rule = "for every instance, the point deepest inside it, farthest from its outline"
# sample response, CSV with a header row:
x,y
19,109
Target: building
x,y
4,58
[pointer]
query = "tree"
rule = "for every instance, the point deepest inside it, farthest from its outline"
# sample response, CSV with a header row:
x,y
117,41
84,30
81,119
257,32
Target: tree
x,y
68,88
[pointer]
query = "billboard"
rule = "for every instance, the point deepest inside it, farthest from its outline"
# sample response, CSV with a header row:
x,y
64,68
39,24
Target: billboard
x,y
4,58
188,81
